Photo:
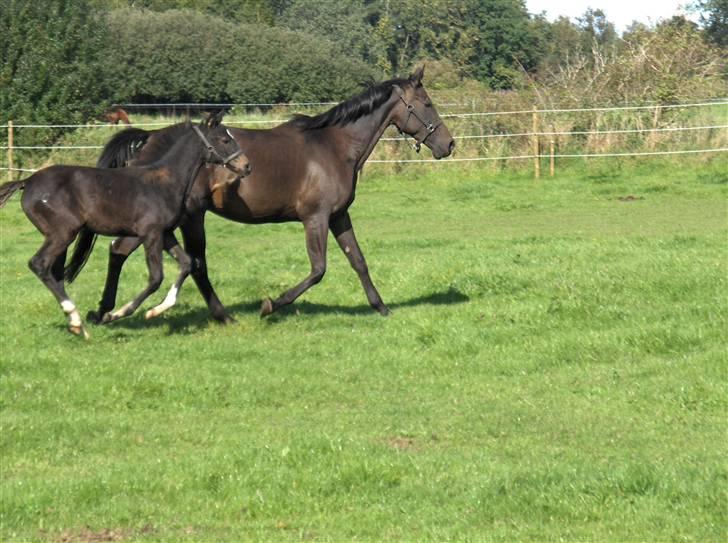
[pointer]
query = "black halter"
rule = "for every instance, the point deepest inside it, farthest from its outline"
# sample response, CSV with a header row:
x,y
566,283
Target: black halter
x,y
412,113
225,161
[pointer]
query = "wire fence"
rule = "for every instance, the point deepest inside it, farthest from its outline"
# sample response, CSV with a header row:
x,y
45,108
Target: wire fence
x,y
655,130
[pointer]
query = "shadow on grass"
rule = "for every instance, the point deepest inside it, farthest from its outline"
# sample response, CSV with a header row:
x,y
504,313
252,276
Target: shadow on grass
x,y
182,320
449,297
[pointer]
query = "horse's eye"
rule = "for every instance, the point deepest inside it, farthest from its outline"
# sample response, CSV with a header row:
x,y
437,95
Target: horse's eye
x,y
226,140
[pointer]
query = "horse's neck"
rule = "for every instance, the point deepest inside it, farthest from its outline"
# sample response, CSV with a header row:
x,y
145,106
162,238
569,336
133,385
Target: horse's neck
x,y
364,133
183,159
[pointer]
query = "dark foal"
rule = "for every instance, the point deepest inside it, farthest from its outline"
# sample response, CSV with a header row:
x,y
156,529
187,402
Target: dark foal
x,y
147,202
305,170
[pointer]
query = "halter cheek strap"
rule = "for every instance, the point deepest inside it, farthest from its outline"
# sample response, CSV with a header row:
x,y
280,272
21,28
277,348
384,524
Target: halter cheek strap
x,y
223,160
412,113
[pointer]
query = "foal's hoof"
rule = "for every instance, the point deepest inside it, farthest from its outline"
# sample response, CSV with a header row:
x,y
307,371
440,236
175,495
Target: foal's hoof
x,y
266,307
78,330
107,318
383,310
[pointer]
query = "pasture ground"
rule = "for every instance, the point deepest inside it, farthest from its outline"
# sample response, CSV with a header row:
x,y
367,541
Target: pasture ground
x,y
554,369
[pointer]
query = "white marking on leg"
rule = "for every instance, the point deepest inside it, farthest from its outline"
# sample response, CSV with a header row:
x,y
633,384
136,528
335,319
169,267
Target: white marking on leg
x,y
168,302
68,306
75,318
122,312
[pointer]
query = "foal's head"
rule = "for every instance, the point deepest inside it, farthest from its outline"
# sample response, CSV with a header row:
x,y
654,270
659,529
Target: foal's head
x,y
221,148
416,116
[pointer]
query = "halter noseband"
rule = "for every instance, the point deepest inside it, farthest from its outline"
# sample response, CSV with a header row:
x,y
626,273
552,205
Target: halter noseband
x,y
225,161
412,113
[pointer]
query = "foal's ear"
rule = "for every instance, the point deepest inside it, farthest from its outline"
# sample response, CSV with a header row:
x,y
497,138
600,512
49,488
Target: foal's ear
x,y
416,77
215,119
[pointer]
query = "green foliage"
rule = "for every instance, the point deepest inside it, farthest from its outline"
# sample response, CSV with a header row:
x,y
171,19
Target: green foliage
x,y
180,55
667,64
241,11
51,65
343,22
714,18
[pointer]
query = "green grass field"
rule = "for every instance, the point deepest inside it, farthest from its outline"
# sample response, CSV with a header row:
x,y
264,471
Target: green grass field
x,y
554,369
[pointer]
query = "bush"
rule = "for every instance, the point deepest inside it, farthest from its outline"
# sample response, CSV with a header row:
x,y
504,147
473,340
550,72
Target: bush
x,y
185,56
51,71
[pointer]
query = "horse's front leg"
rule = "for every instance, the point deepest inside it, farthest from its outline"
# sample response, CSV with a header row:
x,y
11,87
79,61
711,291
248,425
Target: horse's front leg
x,y
172,246
316,232
153,248
193,234
119,251
344,233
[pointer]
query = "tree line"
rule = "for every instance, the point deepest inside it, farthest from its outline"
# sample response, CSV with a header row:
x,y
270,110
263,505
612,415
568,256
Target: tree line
x,y
64,61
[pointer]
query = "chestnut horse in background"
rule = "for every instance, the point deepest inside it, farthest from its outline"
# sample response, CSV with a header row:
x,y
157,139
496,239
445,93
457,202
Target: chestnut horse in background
x,y
303,170
113,116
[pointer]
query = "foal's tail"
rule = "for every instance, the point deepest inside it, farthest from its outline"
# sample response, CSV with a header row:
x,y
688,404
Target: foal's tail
x,y
8,189
116,153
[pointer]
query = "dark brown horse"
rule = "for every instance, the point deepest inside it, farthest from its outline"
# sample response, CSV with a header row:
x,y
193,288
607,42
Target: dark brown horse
x,y
147,202
304,170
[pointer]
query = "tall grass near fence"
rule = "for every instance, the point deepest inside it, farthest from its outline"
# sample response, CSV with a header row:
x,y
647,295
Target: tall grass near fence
x,y
512,130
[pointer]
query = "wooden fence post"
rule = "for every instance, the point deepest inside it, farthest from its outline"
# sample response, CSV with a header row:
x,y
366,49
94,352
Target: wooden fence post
x,y
10,150
551,156
536,159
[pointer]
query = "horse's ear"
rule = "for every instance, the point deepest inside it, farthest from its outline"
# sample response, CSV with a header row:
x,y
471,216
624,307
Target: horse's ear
x,y
416,77
215,119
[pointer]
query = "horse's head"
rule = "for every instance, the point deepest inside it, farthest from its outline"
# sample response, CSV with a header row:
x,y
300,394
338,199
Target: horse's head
x,y
415,116
221,148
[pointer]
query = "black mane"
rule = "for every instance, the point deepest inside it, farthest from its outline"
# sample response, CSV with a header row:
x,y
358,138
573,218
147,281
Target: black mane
x,y
353,108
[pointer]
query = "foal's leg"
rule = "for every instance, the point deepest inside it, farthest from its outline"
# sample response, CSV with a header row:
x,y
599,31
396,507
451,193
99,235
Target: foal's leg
x,y
153,249
193,234
47,264
316,232
119,251
184,261
344,233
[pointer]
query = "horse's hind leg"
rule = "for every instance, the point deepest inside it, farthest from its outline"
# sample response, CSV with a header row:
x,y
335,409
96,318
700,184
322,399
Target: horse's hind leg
x,y
344,233
184,261
153,250
47,264
119,251
317,228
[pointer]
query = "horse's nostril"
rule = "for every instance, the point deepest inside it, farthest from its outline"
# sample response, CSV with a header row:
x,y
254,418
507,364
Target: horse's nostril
x,y
248,169
452,146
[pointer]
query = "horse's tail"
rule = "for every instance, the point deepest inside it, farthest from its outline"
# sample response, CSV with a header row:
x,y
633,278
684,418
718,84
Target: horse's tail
x,y
8,189
116,153
122,148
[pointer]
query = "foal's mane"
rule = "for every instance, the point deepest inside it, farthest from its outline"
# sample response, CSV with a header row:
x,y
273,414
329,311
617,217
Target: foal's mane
x,y
352,109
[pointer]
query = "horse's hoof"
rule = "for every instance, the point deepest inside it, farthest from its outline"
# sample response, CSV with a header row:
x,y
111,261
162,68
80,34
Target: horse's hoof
x,y
227,319
266,307
94,317
78,330
384,310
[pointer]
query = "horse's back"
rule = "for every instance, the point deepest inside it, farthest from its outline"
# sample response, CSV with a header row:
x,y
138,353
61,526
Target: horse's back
x,y
289,168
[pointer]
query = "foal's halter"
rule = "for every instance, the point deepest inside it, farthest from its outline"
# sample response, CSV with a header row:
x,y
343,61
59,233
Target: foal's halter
x,y
412,113
225,161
